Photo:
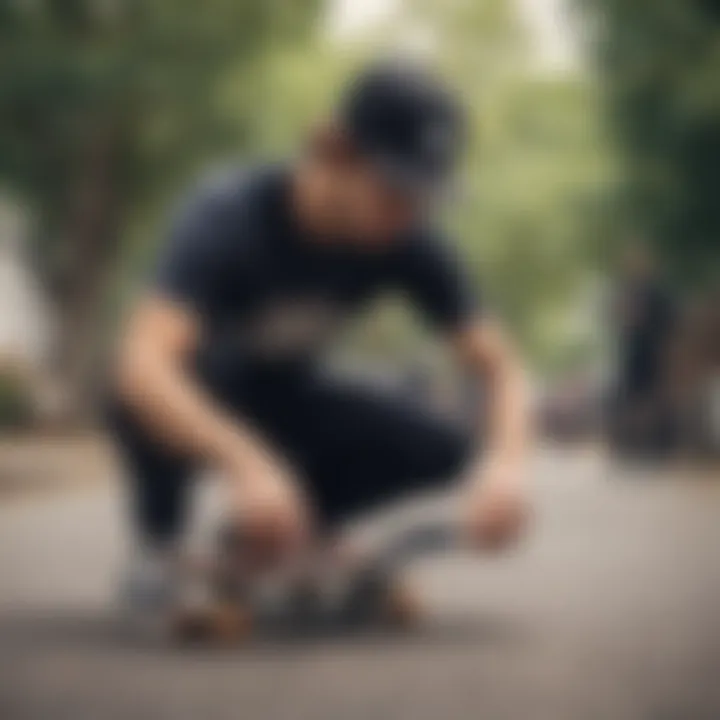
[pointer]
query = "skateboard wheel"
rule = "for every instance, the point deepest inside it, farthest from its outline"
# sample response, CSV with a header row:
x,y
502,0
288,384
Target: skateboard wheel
x,y
223,624
401,608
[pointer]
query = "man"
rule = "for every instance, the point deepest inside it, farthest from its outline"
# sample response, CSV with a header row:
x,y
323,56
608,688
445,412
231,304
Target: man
x,y
219,365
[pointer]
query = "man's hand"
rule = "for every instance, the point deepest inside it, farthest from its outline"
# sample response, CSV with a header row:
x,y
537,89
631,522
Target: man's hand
x,y
270,507
494,506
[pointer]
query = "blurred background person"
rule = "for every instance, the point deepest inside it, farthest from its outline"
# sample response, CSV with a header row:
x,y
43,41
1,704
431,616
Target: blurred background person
x,y
644,327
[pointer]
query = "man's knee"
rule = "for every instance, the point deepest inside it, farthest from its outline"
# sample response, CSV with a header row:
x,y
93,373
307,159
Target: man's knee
x,y
445,452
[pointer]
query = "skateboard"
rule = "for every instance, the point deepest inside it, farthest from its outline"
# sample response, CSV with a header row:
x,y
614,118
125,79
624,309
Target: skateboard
x,y
369,596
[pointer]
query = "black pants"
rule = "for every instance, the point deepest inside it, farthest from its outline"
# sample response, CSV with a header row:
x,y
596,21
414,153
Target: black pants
x,y
353,446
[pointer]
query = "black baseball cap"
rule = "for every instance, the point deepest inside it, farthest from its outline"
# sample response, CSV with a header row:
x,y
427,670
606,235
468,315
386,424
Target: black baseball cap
x,y
407,121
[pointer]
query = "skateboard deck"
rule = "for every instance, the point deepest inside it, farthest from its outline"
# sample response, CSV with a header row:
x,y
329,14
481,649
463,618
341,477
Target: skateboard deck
x,y
370,597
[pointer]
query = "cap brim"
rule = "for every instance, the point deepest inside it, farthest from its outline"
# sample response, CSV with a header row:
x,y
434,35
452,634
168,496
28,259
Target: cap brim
x,y
412,181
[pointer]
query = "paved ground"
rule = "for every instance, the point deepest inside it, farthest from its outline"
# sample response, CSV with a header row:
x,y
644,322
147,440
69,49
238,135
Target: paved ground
x,y
609,612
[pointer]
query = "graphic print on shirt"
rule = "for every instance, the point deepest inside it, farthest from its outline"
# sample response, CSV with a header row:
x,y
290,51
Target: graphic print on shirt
x,y
291,326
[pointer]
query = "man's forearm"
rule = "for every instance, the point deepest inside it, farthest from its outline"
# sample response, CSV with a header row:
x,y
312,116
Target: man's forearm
x,y
494,508
178,412
509,425
486,350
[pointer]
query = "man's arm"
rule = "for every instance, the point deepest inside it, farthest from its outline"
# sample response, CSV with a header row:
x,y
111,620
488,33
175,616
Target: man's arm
x,y
153,383
495,492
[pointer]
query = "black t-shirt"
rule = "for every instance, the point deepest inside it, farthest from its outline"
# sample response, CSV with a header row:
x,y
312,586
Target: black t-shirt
x,y
267,294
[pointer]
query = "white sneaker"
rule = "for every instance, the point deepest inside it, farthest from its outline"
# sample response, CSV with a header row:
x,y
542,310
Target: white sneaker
x,y
149,591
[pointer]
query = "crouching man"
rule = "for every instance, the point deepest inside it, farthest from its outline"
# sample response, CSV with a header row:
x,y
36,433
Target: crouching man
x,y
218,366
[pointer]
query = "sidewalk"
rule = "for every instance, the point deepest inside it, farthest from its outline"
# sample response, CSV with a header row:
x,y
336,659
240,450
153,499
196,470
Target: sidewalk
x,y
30,464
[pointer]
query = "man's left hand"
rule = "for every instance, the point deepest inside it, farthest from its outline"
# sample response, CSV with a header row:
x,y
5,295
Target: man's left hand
x,y
494,506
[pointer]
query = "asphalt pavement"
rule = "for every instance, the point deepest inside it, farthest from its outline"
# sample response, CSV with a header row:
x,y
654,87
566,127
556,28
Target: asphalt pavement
x,y
609,611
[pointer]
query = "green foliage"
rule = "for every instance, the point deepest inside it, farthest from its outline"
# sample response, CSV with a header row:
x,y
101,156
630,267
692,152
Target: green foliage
x,y
149,73
535,188
660,62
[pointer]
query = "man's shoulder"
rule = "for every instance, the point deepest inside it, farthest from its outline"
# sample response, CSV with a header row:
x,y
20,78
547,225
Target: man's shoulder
x,y
222,216
427,246
232,192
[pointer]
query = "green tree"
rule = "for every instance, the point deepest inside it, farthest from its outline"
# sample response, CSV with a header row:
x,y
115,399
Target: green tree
x,y
105,104
660,63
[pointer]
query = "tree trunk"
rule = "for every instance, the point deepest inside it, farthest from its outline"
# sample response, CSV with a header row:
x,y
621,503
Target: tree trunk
x,y
89,245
